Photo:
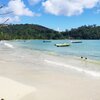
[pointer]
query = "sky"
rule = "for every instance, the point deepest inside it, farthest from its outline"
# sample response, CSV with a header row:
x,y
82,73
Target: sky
x,y
55,14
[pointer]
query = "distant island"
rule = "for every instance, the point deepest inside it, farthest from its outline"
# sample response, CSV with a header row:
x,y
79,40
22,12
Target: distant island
x,y
32,31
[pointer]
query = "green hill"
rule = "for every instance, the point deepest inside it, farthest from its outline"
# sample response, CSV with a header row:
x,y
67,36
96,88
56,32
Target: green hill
x,y
32,31
27,31
83,32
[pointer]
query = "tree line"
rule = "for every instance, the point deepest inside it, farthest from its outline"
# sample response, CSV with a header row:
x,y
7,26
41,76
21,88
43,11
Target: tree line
x,y
83,32
32,31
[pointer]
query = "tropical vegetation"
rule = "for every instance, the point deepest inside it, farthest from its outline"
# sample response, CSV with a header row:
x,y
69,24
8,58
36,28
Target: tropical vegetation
x,y
32,31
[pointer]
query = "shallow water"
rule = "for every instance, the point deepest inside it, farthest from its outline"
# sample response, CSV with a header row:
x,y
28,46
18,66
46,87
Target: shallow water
x,y
88,48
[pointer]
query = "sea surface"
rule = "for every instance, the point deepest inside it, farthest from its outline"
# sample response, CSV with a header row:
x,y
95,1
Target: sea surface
x,y
88,48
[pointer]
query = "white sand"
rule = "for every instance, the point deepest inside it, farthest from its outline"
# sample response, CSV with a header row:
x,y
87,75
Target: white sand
x,y
12,90
40,79
78,69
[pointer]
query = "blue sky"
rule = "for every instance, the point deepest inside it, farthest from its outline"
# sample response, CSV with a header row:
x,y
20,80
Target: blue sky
x,y
62,14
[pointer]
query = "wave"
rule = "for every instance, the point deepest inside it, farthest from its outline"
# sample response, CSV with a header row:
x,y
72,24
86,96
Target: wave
x,y
6,44
89,72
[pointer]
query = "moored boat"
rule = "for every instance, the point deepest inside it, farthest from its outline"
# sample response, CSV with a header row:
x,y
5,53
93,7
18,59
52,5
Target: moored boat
x,y
62,45
76,41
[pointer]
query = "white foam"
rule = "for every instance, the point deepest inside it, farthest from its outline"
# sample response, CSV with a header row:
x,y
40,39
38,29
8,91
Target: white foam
x,y
89,72
8,45
1,42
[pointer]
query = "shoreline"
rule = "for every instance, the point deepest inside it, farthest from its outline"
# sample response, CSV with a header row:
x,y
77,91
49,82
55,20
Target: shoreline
x,y
95,60
40,80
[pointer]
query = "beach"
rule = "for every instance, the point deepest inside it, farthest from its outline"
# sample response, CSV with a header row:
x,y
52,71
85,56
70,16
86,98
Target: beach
x,y
36,75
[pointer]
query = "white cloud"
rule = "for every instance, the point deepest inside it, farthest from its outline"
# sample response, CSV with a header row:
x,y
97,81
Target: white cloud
x,y
34,1
11,19
14,19
68,7
18,7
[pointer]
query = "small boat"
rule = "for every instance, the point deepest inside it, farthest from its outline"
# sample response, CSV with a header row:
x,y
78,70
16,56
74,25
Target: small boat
x,y
62,45
76,41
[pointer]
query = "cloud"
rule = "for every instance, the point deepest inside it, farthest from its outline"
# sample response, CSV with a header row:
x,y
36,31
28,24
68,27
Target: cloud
x,y
11,19
33,2
19,9
68,7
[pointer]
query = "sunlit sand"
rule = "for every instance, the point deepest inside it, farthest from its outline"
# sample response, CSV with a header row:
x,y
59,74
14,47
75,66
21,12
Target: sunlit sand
x,y
41,76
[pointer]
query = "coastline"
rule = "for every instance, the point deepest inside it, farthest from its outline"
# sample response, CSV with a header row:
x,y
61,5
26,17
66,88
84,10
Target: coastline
x,y
46,81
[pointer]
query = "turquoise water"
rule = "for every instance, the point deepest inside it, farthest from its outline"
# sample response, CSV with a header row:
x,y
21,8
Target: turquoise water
x,y
88,48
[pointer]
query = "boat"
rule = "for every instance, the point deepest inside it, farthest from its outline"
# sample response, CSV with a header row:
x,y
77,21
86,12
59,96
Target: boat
x,y
62,45
76,41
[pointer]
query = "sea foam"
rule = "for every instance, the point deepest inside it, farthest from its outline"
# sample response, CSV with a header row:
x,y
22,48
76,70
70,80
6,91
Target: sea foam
x,y
89,72
8,45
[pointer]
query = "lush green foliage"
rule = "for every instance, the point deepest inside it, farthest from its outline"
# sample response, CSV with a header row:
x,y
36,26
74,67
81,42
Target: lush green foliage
x,y
83,32
31,31
27,31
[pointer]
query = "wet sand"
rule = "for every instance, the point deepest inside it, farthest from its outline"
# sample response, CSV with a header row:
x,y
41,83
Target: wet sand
x,y
40,80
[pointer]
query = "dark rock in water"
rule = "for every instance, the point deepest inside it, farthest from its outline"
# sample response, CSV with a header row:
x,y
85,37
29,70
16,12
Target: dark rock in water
x,y
46,41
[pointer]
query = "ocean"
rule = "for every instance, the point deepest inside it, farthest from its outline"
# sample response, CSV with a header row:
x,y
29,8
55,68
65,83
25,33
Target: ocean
x,y
88,48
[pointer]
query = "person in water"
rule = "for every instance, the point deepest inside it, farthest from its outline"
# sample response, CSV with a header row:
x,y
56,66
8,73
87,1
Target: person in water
x,y
84,58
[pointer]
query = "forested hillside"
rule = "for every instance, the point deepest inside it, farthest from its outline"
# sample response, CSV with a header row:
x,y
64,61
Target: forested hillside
x,y
27,31
83,32
31,31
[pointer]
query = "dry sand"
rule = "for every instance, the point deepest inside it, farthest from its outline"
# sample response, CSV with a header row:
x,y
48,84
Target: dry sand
x,y
12,90
40,80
